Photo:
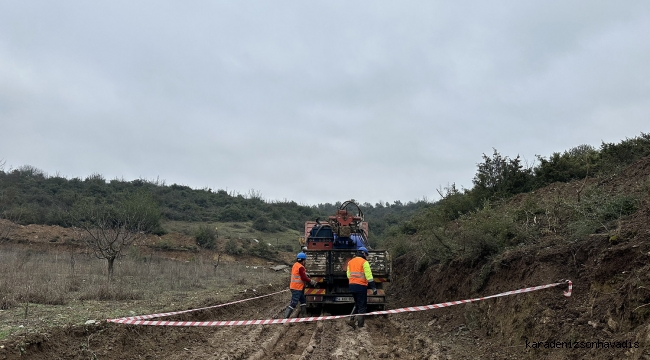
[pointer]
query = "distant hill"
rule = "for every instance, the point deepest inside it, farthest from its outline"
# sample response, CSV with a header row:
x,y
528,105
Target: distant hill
x,y
30,196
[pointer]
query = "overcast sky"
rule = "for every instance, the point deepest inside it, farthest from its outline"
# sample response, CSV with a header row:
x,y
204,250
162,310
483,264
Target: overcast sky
x,y
315,101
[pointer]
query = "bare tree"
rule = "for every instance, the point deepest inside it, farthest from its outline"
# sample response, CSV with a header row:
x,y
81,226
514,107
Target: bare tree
x,y
110,228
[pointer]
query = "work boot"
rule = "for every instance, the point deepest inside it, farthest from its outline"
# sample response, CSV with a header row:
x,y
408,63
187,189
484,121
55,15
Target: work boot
x,y
303,310
360,320
287,312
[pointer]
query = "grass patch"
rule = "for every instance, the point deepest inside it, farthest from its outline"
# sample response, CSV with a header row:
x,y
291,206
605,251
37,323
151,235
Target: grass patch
x,y
108,292
64,289
58,279
5,333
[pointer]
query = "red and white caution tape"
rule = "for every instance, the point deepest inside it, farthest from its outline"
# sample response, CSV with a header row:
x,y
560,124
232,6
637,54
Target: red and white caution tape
x,y
507,293
136,320
143,317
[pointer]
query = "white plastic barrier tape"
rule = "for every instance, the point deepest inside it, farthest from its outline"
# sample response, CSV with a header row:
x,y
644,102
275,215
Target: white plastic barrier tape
x,y
441,305
143,317
135,320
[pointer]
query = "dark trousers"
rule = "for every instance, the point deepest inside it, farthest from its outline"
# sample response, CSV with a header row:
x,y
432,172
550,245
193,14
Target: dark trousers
x,y
297,296
360,294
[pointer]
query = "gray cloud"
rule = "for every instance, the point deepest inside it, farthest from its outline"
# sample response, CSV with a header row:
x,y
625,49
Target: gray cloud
x,y
315,102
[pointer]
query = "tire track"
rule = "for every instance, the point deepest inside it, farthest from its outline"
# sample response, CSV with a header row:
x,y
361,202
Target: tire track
x,y
382,337
292,342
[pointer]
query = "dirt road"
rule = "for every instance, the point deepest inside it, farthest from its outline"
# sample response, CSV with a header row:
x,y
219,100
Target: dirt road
x,y
437,334
385,337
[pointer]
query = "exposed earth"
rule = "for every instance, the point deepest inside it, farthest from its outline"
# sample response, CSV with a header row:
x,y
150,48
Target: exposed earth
x,y
607,317
493,329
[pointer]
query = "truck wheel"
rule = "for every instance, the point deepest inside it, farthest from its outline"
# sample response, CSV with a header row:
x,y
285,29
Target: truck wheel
x,y
315,310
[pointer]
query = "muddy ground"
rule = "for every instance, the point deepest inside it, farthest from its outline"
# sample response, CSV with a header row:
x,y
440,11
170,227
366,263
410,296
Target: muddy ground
x,y
386,337
610,290
608,316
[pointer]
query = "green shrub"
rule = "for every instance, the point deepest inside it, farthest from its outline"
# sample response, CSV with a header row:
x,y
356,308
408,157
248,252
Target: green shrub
x,y
206,237
263,250
399,245
576,163
598,209
500,177
615,156
231,247
487,232
233,213
262,223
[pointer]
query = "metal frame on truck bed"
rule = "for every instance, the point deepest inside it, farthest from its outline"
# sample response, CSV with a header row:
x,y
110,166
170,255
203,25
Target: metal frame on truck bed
x,y
329,247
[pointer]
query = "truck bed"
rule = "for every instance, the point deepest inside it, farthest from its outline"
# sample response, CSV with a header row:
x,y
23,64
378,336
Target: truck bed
x,y
334,262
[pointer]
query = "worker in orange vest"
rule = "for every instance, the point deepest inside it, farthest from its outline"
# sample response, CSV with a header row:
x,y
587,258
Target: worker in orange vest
x,y
360,279
297,285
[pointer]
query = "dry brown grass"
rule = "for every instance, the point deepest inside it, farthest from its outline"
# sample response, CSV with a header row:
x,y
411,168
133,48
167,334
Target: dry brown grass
x,y
46,288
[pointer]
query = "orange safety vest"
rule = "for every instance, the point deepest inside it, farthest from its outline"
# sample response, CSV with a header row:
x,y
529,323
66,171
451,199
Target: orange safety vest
x,y
357,275
296,281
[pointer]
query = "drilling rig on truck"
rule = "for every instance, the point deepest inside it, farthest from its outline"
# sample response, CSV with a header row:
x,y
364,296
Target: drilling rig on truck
x,y
329,246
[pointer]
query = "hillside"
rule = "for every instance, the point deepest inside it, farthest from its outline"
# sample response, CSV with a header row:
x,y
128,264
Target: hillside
x,y
609,267
30,196
610,270
589,223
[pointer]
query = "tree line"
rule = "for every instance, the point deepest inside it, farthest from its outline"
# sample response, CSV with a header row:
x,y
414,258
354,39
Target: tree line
x,y
30,196
477,223
499,177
